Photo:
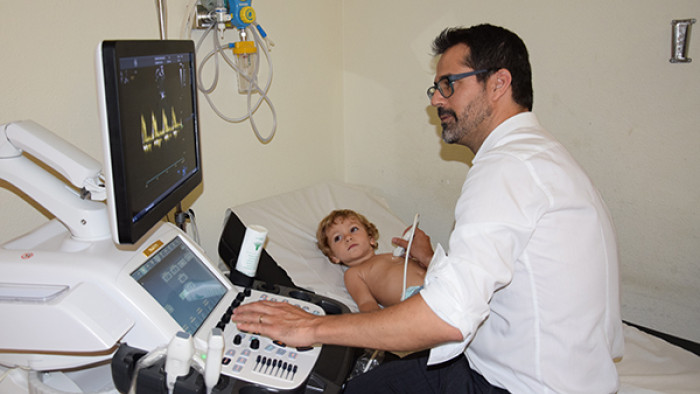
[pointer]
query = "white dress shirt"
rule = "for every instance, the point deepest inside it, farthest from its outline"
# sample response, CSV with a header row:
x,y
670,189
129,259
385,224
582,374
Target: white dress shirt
x,y
531,279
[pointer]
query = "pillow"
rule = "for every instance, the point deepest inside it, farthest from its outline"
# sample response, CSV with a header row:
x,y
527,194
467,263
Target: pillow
x,y
292,219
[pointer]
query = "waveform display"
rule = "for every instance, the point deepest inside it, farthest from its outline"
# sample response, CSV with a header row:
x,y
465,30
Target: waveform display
x,y
154,136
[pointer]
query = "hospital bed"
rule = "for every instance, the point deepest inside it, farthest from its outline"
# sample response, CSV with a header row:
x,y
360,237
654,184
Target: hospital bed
x,y
649,364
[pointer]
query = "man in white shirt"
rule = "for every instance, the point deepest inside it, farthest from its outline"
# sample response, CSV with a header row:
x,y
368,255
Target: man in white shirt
x,y
529,292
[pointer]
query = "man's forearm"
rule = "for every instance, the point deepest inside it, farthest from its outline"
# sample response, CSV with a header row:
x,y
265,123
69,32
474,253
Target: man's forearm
x,y
408,326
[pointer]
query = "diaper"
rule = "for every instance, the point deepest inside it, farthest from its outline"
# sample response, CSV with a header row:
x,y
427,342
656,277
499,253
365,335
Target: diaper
x,y
411,291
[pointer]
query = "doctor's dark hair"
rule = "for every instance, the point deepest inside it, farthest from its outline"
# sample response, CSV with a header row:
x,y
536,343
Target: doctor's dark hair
x,y
337,216
492,48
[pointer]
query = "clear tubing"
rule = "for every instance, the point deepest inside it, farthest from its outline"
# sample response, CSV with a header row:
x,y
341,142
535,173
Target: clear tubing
x,y
253,85
204,60
187,21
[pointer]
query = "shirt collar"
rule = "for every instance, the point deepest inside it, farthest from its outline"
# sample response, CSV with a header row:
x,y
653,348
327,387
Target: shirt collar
x,y
523,119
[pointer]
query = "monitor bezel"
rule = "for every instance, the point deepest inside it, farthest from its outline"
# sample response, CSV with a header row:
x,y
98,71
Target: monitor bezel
x,y
124,229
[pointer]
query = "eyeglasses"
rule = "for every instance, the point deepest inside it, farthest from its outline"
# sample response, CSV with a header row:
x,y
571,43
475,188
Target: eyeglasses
x,y
446,84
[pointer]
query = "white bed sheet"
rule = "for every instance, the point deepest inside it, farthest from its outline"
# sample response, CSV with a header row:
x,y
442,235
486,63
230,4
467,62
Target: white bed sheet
x,y
650,365
291,220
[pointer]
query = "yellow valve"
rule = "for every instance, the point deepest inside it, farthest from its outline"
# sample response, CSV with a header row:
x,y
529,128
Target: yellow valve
x,y
247,15
243,47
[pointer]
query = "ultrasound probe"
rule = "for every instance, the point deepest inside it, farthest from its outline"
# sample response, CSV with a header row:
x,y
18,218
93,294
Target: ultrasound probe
x,y
409,237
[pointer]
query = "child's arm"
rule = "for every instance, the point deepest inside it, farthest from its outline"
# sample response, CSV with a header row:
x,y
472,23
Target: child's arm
x,y
359,290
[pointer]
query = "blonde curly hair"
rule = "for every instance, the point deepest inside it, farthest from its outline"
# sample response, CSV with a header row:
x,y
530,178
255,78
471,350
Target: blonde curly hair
x,y
339,215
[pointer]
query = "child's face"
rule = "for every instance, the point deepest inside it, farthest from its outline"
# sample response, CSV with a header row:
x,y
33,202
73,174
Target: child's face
x,y
349,242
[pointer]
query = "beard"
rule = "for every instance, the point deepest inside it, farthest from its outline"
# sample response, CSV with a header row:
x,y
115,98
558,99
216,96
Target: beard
x,y
450,130
461,128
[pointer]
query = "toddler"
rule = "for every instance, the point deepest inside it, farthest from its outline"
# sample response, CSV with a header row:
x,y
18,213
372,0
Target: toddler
x,y
347,237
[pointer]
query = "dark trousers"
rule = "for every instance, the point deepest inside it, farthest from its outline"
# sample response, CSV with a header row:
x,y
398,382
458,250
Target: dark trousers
x,y
412,375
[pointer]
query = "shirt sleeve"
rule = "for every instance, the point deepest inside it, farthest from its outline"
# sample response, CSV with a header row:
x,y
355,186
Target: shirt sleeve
x,y
449,350
494,217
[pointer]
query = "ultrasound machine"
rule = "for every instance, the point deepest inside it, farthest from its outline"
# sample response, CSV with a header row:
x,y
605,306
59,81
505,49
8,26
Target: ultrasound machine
x,y
111,283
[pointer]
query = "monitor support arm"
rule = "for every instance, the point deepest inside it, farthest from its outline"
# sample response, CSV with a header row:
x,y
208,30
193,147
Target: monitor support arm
x,y
81,211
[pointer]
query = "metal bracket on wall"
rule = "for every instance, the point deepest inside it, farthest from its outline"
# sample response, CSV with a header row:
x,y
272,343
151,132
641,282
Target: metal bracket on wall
x,y
680,38
210,12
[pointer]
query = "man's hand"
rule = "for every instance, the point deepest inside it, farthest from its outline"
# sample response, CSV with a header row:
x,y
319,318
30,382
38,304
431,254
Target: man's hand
x,y
421,249
277,320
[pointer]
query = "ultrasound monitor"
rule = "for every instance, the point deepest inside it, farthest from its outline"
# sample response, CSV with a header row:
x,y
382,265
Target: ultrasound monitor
x,y
149,115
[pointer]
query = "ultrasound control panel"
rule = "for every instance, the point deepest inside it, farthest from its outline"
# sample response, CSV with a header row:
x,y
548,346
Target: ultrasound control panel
x,y
251,363
257,359
175,288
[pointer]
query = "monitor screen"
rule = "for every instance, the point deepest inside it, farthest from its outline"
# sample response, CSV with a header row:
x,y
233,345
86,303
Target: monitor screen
x,y
150,131
181,284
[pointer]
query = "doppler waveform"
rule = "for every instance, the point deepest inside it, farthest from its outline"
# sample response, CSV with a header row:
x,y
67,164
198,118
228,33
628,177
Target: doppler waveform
x,y
154,136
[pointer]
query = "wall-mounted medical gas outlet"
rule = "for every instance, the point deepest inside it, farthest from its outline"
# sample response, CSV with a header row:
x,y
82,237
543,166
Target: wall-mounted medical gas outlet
x,y
234,13
205,11
680,39
250,45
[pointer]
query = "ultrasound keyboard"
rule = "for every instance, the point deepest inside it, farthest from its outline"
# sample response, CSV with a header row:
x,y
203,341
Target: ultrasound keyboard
x,y
261,360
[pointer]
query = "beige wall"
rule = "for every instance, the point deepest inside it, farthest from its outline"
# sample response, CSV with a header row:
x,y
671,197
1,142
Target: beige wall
x,y
48,50
349,91
603,85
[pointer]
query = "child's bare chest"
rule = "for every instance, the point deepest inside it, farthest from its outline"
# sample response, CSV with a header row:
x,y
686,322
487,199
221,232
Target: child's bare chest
x,y
385,279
